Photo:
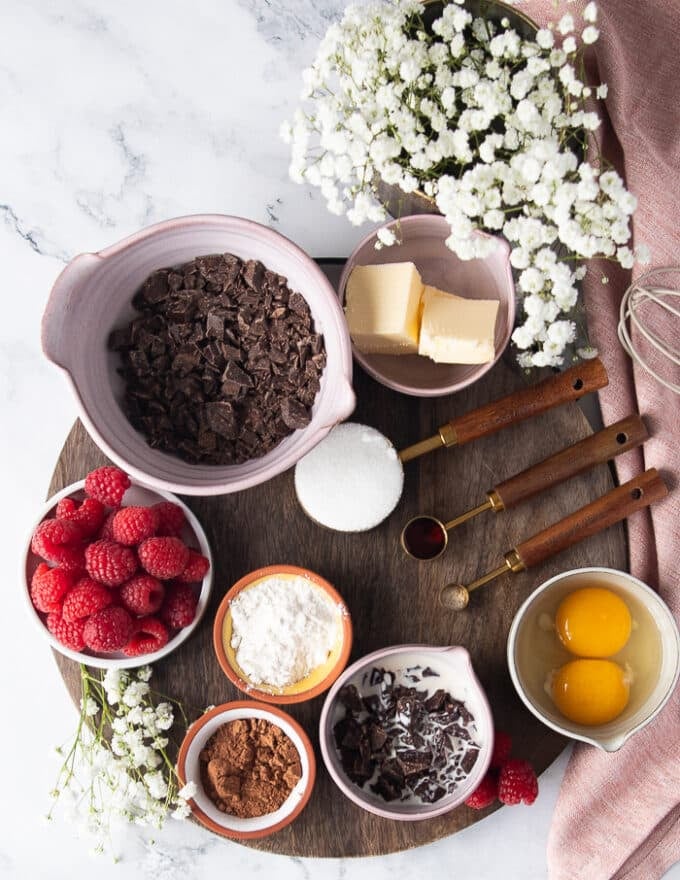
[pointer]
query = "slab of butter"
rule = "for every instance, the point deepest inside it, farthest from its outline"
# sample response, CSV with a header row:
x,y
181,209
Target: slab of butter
x,y
381,306
455,330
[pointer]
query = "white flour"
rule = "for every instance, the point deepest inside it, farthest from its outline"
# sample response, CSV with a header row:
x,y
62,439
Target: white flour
x,y
282,628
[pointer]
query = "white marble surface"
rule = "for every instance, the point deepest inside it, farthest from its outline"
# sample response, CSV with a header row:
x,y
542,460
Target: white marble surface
x,y
114,116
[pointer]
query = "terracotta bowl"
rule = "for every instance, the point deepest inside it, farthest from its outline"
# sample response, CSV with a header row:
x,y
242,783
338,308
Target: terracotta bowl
x,y
455,674
650,689
93,295
193,536
319,679
205,811
423,242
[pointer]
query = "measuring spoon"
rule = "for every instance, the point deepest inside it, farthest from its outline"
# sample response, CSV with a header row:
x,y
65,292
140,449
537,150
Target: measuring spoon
x,y
425,537
611,508
524,404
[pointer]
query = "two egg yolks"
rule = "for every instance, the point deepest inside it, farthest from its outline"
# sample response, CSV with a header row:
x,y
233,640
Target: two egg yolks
x,y
593,623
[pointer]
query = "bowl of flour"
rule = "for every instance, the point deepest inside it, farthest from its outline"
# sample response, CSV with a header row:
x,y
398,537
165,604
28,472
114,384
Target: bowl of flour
x,y
282,634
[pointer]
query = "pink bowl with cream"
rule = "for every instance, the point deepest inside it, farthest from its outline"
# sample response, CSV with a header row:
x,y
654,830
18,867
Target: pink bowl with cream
x,y
94,294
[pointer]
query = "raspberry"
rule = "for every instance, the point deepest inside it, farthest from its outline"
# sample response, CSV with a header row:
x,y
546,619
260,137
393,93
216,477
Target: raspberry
x,y
69,633
164,558
108,485
49,586
107,526
58,541
171,519
517,783
109,563
65,507
486,792
132,525
142,594
196,568
179,606
86,597
89,516
108,630
150,635
501,748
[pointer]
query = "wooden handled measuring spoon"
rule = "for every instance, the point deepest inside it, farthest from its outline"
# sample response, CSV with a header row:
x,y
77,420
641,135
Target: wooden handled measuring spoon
x,y
611,508
553,391
426,537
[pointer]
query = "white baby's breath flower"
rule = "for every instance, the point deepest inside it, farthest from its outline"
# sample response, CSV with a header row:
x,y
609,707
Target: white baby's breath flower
x,y
545,38
590,34
590,12
566,24
386,236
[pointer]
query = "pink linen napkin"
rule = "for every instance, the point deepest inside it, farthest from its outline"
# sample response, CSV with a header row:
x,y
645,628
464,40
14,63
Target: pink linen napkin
x,y
618,815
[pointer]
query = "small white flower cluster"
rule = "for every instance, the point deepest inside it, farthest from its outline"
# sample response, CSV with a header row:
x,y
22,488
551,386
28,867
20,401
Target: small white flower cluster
x,y
118,765
491,125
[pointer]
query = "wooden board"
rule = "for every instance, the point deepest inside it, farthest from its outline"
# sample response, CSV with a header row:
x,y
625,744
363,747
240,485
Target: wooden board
x,y
392,599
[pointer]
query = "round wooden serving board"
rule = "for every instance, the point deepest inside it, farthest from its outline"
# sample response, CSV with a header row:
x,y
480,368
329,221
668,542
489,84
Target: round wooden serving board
x,y
392,599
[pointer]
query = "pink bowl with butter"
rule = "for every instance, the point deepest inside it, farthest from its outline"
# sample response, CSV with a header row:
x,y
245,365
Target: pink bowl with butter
x,y
93,295
423,242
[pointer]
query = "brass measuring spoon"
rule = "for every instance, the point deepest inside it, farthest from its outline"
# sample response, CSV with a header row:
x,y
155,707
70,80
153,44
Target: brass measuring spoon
x,y
523,404
425,537
611,508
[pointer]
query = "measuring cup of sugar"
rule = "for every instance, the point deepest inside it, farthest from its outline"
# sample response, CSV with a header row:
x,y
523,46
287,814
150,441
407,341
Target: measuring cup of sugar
x,y
352,480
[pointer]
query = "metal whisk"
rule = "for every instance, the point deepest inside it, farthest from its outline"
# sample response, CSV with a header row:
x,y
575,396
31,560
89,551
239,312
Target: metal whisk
x,y
656,289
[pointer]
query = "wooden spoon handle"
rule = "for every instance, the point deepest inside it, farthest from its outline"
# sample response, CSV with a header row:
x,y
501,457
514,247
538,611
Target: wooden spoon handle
x,y
616,505
607,443
553,391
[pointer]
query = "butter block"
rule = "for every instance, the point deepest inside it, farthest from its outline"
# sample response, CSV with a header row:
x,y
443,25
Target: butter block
x,y
455,330
382,308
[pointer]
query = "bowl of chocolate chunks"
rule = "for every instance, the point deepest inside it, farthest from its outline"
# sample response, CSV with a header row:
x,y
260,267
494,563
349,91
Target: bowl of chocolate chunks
x,y
406,732
207,353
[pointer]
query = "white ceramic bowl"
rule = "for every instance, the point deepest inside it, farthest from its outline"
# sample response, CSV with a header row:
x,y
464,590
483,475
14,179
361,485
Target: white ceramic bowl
x,y
648,694
423,242
458,677
189,770
93,295
193,536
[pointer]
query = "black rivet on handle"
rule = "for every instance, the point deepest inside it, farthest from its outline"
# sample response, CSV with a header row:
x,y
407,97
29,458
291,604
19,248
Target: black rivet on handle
x,y
621,438
636,494
578,384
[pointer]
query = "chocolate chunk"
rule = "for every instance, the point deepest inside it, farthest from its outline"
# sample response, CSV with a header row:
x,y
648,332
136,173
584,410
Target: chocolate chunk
x,y
221,419
155,288
349,697
413,762
429,673
294,414
436,701
376,736
469,760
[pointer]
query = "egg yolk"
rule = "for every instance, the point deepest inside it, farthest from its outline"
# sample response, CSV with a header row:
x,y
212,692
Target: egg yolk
x,y
593,622
590,691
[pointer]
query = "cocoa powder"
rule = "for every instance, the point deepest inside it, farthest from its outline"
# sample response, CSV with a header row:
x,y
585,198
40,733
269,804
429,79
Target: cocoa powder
x,y
249,767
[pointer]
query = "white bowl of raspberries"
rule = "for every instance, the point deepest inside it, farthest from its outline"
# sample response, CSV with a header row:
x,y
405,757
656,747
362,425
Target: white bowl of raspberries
x,y
117,575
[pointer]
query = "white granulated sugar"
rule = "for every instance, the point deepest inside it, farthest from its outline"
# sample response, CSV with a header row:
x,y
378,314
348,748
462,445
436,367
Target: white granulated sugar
x,y
282,629
352,480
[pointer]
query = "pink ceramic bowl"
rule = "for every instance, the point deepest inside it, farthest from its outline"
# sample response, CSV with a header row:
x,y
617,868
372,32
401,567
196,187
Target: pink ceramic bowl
x,y
93,295
454,673
423,242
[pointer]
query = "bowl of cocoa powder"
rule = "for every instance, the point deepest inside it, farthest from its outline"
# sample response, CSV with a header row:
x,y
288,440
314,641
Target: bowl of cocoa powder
x,y
253,768
206,353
